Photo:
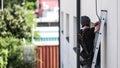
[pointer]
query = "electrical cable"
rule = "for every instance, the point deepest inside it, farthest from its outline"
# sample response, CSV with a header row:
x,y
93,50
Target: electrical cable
x,y
96,10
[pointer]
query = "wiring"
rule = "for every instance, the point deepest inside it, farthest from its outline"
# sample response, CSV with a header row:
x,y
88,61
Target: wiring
x,y
96,10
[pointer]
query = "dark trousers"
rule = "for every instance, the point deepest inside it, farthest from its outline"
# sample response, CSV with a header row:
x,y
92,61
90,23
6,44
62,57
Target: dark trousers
x,y
86,66
89,66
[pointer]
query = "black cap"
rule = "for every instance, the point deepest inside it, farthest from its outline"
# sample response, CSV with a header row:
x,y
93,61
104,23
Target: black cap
x,y
85,21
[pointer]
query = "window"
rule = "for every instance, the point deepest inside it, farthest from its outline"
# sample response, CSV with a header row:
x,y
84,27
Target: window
x,y
75,31
61,23
67,27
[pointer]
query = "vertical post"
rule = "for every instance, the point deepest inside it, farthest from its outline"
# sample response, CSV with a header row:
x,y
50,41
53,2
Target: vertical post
x,y
2,4
59,34
78,28
32,34
1,62
37,4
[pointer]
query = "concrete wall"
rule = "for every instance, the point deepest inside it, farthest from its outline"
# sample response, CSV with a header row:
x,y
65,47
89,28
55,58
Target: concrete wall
x,y
110,48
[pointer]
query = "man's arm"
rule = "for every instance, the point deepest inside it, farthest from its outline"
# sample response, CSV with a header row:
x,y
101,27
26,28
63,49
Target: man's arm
x,y
97,26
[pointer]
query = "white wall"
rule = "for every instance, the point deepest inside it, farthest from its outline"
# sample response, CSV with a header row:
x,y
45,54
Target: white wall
x,y
111,34
118,33
110,47
68,56
88,9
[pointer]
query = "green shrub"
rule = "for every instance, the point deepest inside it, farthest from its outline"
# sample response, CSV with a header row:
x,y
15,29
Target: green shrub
x,y
12,53
13,27
13,23
29,18
3,58
30,5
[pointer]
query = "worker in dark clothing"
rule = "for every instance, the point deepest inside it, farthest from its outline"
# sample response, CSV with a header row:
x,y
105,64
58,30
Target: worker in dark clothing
x,y
86,39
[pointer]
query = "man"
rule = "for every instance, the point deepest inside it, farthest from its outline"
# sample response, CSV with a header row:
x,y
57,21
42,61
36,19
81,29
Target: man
x,y
86,40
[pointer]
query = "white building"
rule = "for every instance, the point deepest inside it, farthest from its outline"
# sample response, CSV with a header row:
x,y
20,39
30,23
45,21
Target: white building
x,y
48,36
110,47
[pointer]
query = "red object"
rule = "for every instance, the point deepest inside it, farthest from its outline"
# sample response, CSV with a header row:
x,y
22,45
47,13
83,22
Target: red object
x,y
47,56
50,3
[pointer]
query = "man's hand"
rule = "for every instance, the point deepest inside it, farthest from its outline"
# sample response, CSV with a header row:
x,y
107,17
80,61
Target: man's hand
x,y
97,26
96,23
79,37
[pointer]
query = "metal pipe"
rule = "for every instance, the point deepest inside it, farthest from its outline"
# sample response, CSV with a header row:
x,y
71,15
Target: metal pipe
x,y
78,14
59,35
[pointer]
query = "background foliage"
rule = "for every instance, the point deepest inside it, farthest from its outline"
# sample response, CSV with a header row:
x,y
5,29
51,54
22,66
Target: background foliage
x,y
11,51
13,23
14,27
30,5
